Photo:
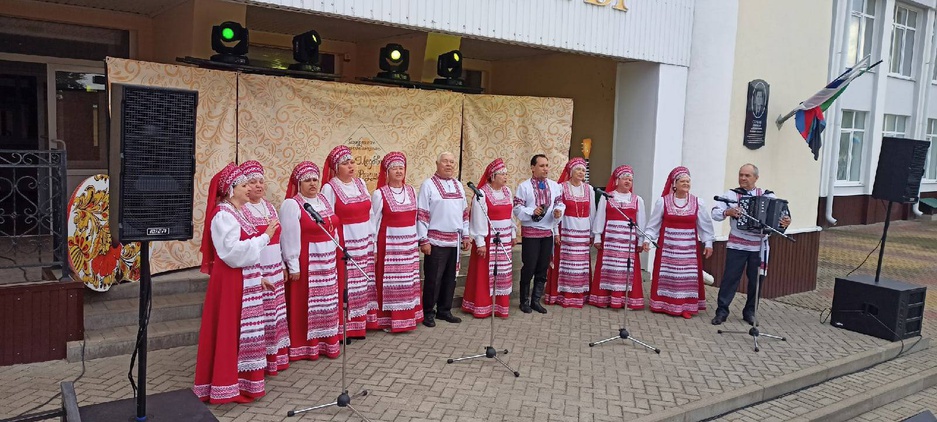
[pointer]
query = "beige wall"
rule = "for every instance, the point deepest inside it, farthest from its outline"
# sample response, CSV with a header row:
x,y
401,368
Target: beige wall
x,y
589,81
786,43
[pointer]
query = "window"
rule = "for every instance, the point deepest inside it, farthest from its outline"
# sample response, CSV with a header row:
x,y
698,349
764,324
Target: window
x,y
851,142
902,41
930,169
895,126
860,26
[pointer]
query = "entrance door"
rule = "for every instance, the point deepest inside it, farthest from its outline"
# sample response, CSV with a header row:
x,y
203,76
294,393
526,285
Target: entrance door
x,y
78,117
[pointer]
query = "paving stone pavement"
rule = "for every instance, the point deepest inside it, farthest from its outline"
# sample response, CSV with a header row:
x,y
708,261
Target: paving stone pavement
x,y
836,390
910,255
562,379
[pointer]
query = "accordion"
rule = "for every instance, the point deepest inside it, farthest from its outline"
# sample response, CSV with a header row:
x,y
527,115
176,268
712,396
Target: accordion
x,y
763,210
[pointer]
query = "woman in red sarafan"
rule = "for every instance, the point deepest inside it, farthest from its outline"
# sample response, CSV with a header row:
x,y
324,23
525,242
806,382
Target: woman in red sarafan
x,y
260,213
571,270
617,279
397,267
231,351
678,222
351,201
497,204
313,288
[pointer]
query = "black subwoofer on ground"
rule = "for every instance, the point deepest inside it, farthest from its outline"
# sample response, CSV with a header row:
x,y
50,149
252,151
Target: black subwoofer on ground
x,y
152,163
890,309
900,169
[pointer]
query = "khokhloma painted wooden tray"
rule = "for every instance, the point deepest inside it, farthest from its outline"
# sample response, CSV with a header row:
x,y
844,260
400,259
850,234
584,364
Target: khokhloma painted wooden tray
x,y
92,257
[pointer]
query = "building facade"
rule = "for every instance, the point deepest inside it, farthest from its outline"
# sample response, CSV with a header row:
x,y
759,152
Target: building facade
x,y
897,100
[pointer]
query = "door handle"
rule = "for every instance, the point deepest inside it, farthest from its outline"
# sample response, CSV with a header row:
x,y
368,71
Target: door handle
x,y
94,118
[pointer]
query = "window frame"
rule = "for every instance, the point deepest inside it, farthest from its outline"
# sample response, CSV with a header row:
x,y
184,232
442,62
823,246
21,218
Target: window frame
x,y
866,24
850,160
900,50
930,166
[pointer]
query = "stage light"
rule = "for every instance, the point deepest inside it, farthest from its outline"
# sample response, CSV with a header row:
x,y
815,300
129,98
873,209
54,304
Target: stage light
x,y
449,67
306,52
230,41
394,61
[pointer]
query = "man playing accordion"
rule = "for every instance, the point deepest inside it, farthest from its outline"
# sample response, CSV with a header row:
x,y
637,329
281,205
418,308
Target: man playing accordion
x,y
742,250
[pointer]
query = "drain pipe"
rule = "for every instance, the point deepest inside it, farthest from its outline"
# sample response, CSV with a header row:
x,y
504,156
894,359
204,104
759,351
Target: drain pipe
x,y
831,177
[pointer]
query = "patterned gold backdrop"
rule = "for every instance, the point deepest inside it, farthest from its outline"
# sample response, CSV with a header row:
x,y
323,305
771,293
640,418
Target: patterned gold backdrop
x,y
514,129
282,121
215,142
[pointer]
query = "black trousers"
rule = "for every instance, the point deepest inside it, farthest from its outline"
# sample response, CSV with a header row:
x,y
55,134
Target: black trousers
x,y
536,254
439,280
736,262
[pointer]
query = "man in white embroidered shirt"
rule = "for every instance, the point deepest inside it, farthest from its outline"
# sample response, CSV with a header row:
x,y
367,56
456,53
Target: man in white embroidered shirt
x,y
538,204
743,247
441,226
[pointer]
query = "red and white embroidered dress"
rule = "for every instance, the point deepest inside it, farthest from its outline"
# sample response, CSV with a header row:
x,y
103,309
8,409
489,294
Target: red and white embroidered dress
x,y
498,205
313,306
276,331
353,206
231,355
397,268
570,273
617,278
677,224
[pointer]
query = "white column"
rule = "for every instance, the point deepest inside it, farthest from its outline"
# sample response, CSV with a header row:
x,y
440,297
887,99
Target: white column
x,y
708,99
650,101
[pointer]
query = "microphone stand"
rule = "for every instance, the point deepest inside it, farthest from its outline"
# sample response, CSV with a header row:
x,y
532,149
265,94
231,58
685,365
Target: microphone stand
x,y
343,400
623,332
490,351
762,253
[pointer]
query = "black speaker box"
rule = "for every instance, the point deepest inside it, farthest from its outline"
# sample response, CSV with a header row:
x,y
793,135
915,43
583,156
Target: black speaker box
x,y
900,169
152,163
890,309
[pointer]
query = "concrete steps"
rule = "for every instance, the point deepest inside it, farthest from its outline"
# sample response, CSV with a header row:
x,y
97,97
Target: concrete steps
x,y
111,318
851,395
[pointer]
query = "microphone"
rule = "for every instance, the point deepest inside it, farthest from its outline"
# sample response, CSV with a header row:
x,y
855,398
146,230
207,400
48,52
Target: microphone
x,y
312,213
599,191
724,199
477,192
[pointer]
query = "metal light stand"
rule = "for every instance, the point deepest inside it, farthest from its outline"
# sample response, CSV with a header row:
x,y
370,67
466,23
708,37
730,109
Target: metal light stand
x,y
623,332
754,332
343,400
490,351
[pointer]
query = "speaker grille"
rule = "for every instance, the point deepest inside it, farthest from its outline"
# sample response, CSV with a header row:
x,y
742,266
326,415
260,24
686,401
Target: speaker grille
x,y
157,163
900,169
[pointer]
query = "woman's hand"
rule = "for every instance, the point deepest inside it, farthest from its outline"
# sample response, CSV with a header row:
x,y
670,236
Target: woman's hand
x,y
294,277
707,252
272,227
268,286
481,251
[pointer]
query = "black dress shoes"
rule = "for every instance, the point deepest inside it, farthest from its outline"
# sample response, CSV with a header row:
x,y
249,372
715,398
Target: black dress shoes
x,y
429,322
450,318
750,319
538,307
525,308
719,319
